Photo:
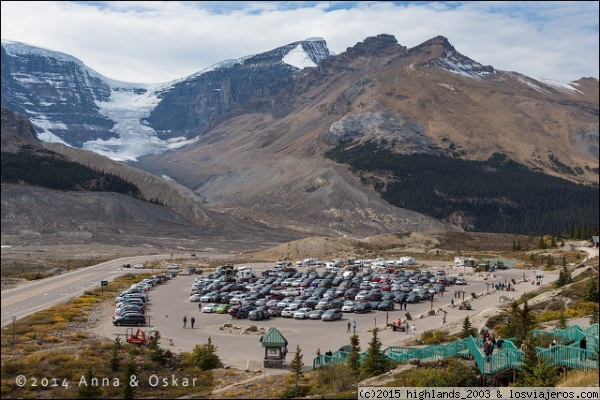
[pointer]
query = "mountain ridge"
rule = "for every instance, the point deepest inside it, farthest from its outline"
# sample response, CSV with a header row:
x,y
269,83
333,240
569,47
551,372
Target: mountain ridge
x,y
257,150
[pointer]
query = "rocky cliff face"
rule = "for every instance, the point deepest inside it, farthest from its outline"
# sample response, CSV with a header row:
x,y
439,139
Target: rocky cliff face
x,y
193,106
17,131
70,103
56,91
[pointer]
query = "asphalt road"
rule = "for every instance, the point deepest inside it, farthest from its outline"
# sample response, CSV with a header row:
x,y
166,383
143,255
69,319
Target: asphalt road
x,y
40,294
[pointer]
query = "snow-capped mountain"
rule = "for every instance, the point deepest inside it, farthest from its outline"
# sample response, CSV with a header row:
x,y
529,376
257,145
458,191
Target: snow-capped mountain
x,y
70,103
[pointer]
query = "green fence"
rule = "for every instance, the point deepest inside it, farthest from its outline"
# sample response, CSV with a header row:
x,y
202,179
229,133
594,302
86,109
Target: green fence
x,y
509,357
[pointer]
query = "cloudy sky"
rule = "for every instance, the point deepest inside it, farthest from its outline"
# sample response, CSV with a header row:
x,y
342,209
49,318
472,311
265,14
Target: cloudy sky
x,y
156,41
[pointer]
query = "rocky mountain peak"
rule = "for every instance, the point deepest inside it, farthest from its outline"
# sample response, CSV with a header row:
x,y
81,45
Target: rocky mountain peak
x,y
305,53
376,46
439,52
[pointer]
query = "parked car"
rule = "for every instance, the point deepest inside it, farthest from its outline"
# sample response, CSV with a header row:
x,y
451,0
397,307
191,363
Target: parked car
x,y
362,307
348,306
412,298
386,305
302,313
173,266
316,314
130,320
195,297
238,312
461,281
258,315
222,308
332,314
287,312
275,311
210,308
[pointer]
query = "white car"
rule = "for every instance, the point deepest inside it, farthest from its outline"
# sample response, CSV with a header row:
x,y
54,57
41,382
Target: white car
x,y
173,266
139,266
195,298
348,306
287,312
461,281
209,308
302,313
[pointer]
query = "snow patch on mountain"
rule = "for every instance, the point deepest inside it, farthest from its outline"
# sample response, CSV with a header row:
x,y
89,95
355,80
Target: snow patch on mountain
x,y
458,64
23,49
298,58
561,85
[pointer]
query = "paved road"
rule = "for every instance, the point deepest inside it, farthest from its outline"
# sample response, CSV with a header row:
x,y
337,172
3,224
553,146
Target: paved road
x,y
40,294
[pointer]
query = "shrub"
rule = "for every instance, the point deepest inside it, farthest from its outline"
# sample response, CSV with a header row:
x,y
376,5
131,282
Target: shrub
x,y
295,392
438,374
434,337
205,356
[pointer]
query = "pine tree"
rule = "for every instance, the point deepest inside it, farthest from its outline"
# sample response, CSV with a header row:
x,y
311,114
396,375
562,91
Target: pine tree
x,y
594,318
375,362
592,292
128,377
562,321
521,322
536,371
564,278
467,328
89,391
205,356
297,364
114,358
354,356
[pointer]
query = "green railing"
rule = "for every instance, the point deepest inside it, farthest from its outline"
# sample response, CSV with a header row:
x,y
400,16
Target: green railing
x,y
509,357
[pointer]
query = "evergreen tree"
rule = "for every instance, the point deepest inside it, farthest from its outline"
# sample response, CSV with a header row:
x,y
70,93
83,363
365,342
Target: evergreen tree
x,y
521,322
354,356
115,359
128,376
467,328
375,362
541,242
297,364
564,278
562,321
89,391
592,292
205,356
536,371
594,318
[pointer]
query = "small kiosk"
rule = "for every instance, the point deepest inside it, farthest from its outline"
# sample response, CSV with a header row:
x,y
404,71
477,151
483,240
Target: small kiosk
x,y
275,349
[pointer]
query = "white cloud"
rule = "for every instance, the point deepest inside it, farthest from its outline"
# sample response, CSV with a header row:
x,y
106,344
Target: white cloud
x,y
162,41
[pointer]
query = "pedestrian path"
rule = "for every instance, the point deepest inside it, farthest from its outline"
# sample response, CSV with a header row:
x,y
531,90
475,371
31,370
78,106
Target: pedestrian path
x,y
567,354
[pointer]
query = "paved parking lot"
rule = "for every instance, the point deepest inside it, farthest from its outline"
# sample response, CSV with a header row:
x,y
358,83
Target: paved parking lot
x,y
168,305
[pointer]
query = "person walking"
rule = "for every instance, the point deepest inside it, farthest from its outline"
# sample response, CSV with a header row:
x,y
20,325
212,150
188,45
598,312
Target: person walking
x,y
499,344
583,347
184,321
349,326
452,302
192,322
199,307
354,326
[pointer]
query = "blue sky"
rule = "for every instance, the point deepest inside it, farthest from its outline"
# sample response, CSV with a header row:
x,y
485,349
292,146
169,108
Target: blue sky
x,y
158,41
